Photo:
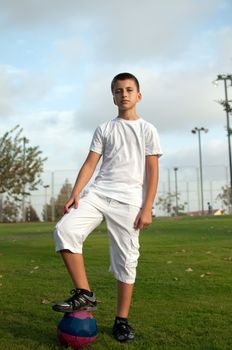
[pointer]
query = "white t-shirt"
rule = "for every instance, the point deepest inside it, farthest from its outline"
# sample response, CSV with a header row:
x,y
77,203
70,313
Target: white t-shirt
x,y
124,144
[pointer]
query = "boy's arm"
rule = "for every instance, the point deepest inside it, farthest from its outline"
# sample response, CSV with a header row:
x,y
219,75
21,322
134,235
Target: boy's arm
x,y
144,217
83,178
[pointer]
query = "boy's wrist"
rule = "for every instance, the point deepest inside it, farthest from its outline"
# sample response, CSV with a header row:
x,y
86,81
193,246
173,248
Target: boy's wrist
x,y
147,207
75,194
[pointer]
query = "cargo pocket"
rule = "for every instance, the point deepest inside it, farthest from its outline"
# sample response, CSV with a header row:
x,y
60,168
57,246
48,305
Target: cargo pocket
x,y
133,252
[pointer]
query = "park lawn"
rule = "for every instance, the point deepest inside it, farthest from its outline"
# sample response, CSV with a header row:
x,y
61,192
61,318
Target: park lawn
x,y
182,298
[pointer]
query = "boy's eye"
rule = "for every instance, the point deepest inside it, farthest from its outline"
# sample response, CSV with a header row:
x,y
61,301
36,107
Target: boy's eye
x,y
120,91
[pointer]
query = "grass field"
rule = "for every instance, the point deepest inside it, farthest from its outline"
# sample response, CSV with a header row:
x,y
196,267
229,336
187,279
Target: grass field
x,y
182,299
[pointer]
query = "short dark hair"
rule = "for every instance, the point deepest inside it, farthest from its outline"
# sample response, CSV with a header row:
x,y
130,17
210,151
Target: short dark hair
x,y
124,76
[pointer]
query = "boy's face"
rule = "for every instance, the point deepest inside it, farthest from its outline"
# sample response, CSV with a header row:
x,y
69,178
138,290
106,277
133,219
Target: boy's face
x,y
126,94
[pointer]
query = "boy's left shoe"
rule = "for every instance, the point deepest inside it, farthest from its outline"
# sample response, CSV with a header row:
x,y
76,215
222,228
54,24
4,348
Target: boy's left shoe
x,y
78,302
122,331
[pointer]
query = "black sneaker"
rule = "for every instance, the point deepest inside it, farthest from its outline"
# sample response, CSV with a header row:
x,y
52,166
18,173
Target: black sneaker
x,y
122,331
79,301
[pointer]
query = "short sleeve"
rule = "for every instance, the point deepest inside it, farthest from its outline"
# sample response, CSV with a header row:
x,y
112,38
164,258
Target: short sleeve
x,y
152,144
97,143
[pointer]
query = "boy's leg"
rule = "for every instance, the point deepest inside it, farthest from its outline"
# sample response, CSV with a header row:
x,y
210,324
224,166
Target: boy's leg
x,y
76,268
83,298
122,331
124,254
70,233
125,291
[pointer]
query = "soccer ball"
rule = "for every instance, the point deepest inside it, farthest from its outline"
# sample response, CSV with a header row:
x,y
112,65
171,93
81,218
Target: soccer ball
x,y
77,329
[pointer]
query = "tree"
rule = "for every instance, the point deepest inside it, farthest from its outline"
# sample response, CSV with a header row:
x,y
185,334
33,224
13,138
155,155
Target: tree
x,y
31,214
9,211
21,164
165,203
225,196
59,203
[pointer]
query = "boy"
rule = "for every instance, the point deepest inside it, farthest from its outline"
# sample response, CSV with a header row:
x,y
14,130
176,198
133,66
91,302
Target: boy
x,y
122,193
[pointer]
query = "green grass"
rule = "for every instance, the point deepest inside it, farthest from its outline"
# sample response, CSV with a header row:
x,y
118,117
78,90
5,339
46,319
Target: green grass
x,y
182,298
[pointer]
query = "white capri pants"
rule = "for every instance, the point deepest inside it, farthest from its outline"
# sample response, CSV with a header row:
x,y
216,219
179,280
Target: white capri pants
x,y
75,226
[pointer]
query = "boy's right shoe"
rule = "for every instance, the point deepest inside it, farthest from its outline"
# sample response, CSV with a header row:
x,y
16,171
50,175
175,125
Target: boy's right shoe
x,y
78,302
122,331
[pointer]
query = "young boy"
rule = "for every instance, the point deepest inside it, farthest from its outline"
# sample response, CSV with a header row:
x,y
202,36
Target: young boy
x,y
122,193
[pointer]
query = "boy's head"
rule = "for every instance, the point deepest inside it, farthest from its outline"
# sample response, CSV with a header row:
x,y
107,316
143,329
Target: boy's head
x,y
124,76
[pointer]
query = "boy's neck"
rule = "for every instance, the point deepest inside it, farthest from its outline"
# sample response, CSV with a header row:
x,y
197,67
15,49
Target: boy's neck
x,y
128,115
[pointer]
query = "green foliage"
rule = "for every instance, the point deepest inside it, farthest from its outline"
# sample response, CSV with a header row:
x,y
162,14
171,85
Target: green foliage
x,y
31,214
165,203
9,211
182,297
21,164
226,196
59,203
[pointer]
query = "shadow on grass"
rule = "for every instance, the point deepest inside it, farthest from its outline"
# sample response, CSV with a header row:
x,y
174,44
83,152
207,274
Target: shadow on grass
x,y
31,330
36,330
105,330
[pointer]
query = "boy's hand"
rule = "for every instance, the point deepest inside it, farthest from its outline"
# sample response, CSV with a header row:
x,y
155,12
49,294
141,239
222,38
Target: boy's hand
x,y
144,218
73,201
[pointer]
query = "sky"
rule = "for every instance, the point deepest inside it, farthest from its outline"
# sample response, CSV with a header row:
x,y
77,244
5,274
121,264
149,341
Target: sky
x,y
58,59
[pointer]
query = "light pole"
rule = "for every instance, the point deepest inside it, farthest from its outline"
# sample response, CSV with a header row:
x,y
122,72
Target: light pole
x,y
198,131
23,187
226,104
45,203
169,204
176,191
28,217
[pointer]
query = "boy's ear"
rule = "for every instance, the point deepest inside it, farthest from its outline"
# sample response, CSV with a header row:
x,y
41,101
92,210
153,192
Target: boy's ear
x,y
139,96
114,100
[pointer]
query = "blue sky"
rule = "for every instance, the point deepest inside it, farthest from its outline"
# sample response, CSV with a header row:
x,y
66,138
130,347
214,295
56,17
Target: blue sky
x,y
58,59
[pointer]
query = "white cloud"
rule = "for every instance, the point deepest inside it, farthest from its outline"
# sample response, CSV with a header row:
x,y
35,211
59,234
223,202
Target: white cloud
x,y
120,31
151,31
72,48
176,48
18,87
52,130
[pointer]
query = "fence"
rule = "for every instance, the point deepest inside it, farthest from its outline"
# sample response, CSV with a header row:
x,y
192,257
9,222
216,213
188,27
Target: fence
x,y
188,186
184,180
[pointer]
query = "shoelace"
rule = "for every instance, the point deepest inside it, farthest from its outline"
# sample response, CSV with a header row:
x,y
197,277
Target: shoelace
x,y
124,327
73,299
75,293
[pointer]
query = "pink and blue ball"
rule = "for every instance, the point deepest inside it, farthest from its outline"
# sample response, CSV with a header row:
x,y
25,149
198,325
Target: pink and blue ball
x,y
77,329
